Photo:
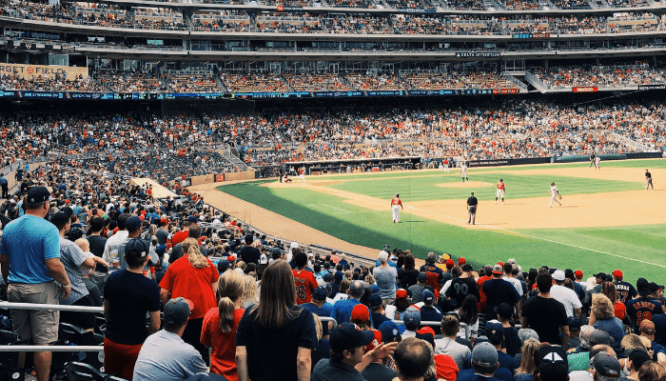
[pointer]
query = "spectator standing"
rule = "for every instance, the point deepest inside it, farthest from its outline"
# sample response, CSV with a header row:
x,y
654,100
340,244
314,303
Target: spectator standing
x,y
113,249
565,295
448,345
194,231
305,280
30,261
417,289
544,314
643,307
250,254
128,297
276,333
495,333
408,274
462,285
5,186
162,233
386,277
499,291
602,317
430,312
220,325
165,356
625,290
193,277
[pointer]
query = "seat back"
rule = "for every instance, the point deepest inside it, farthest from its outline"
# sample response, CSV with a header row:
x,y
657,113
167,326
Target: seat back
x,y
77,371
9,369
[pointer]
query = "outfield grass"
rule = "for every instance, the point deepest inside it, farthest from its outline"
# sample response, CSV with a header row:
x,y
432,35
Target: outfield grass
x,y
637,250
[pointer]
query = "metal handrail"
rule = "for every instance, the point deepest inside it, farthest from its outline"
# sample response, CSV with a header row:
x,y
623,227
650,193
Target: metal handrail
x,y
49,307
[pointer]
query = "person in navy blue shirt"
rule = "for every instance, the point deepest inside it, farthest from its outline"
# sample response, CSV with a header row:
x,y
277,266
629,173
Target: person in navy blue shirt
x,y
429,312
643,307
377,311
495,333
319,307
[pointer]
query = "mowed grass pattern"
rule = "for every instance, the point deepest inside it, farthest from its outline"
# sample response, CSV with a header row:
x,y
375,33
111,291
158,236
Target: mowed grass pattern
x,y
638,250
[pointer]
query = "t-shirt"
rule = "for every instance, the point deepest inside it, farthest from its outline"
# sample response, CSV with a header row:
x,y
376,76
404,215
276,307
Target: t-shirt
x,y
223,353
265,361
182,279
460,288
432,313
324,311
179,237
72,257
499,291
640,309
166,357
378,319
625,291
578,361
545,316
507,361
130,297
407,279
460,353
28,242
469,375
305,283
385,277
162,235
567,297
249,254
615,329
378,372
97,243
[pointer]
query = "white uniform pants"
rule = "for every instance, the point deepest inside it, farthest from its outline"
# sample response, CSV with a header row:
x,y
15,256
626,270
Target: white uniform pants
x,y
396,212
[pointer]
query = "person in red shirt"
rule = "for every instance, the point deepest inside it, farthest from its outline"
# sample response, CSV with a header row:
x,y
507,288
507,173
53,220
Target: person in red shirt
x,y
396,206
500,191
303,279
193,277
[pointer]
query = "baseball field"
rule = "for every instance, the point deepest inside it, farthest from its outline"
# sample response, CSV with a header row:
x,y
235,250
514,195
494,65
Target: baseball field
x,y
608,221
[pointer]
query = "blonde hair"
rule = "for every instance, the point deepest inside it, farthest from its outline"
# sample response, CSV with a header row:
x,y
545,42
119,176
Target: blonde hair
x,y
527,364
318,326
602,307
83,244
190,247
249,288
230,287
370,279
632,341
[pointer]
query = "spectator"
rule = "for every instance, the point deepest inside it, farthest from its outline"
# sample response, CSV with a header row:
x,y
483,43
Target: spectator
x,y
408,274
448,345
484,363
435,274
113,249
544,314
250,254
511,341
276,322
219,325
412,320
635,361
602,317
620,310
528,365
643,306
651,371
417,289
462,285
552,363
30,261
165,356
386,277
648,330
495,333
574,333
377,369
625,290
318,306
606,367
305,280
377,310
430,312
128,297
193,277
498,291
413,358
342,309
194,231
566,296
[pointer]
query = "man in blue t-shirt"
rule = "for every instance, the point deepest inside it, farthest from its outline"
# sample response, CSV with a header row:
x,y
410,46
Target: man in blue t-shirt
x,y
342,309
30,261
643,307
319,307
625,290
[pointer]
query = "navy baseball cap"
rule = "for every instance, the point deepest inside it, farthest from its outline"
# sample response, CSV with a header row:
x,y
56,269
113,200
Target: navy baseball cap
x,y
319,293
133,224
178,310
423,277
390,331
427,296
38,194
328,278
339,275
375,300
136,249
347,336
374,288
412,315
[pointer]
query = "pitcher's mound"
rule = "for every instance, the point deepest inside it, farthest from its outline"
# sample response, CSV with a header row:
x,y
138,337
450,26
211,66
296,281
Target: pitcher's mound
x,y
466,184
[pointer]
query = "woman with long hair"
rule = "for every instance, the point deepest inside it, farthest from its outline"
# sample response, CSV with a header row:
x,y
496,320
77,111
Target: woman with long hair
x,y
220,324
603,317
407,274
469,314
620,310
528,367
193,277
250,295
276,336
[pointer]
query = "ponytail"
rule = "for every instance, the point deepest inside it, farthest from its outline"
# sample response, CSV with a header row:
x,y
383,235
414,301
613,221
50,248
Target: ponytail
x,y
226,312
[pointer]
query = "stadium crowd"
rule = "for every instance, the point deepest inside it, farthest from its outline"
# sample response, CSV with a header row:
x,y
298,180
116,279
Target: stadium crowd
x,y
189,292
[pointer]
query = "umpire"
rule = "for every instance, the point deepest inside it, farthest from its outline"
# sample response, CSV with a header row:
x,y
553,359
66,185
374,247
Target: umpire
x,y
472,204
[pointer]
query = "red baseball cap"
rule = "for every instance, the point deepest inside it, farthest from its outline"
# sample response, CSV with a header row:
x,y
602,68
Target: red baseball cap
x,y
450,263
376,341
360,312
500,263
617,274
401,293
578,274
231,258
425,330
461,261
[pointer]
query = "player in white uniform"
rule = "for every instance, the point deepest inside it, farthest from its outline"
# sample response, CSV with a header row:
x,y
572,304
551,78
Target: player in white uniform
x,y
301,171
396,205
445,163
463,172
597,163
500,191
554,192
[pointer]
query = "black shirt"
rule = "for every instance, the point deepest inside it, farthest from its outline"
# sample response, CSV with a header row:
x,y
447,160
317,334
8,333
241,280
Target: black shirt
x,y
472,201
545,316
648,175
97,243
130,296
407,279
499,291
249,254
378,372
460,288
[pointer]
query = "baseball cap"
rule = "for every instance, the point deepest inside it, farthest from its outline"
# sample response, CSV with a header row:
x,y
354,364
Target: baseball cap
x,y
133,224
136,249
412,316
427,334
445,256
382,256
263,259
647,327
328,278
319,293
192,219
339,275
461,261
374,288
38,194
450,263
504,310
293,245
432,257
427,296
401,293
600,275
558,275
484,355
498,270
527,333
59,217
222,265
423,277
176,311
231,258
348,336
599,336
617,274
606,365
639,357
643,287
361,313
574,323
375,300
578,274
375,341
390,331
160,249
553,365
494,331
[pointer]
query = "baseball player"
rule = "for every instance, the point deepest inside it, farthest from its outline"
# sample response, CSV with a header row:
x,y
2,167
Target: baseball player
x,y
301,171
445,163
597,163
554,192
396,205
472,204
591,160
463,172
500,191
648,180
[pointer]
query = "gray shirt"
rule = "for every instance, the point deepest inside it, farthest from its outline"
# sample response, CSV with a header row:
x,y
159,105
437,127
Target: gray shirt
x,y
460,353
72,258
386,277
166,357
162,236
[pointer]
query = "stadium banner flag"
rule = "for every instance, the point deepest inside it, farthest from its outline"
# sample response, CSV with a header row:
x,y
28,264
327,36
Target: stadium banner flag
x,y
591,89
219,178
45,71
